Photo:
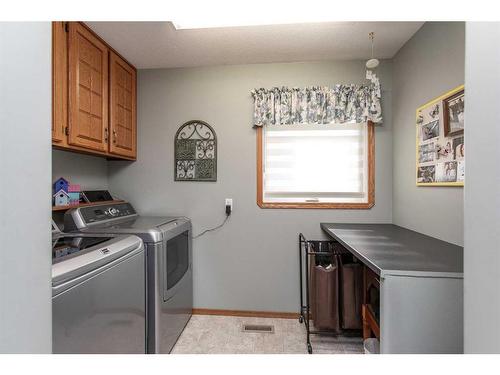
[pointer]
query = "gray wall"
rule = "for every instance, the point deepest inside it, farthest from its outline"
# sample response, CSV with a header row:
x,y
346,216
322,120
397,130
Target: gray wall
x,y
25,116
251,263
91,172
429,64
482,201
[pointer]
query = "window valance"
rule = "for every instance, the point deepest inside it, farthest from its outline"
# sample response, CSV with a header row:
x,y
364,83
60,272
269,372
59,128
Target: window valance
x,y
318,104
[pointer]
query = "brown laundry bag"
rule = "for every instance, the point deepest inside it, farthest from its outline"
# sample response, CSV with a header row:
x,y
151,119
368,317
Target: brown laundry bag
x,y
352,293
326,297
312,287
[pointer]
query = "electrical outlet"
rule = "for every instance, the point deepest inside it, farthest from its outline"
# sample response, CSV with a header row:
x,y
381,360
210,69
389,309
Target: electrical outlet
x,y
229,206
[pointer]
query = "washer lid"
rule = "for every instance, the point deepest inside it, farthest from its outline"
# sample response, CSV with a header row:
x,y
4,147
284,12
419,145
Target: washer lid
x,y
74,257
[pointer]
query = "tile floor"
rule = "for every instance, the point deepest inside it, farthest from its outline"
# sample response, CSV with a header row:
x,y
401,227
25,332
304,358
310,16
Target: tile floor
x,y
210,334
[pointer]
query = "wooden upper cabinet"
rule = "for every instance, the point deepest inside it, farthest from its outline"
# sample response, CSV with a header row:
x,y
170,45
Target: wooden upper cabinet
x,y
59,82
93,95
88,89
122,106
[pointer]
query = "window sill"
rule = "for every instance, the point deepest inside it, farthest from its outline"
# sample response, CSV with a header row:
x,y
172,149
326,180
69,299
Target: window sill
x,y
340,206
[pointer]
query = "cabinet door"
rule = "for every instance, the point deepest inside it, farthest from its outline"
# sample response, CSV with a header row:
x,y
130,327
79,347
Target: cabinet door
x,y
122,104
88,89
59,82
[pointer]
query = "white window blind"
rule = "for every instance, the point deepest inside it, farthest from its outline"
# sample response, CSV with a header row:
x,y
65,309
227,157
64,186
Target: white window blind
x,y
315,163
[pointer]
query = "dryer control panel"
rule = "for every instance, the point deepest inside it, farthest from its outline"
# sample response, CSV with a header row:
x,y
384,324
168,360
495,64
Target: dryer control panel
x,y
106,212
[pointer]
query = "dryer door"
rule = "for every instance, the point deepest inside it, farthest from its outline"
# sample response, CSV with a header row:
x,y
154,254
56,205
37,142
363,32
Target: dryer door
x,y
177,263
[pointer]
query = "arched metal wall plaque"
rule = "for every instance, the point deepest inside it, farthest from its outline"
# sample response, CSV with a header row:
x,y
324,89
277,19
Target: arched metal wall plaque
x,y
195,152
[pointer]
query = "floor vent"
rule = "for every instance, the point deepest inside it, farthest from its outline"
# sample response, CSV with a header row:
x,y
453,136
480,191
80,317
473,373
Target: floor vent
x,y
258,328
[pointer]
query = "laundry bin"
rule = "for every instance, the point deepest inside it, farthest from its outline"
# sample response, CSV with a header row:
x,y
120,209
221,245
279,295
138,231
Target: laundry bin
x,y
372,346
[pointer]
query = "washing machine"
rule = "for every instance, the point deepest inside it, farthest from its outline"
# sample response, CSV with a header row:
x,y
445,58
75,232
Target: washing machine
x,y
98,294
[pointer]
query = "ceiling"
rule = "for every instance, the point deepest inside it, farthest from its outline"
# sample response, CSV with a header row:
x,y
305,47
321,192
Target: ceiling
x,y
159,45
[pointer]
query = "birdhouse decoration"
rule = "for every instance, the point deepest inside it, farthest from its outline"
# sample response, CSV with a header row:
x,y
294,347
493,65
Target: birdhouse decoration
x,y
61,198
66,194
74,194
61,184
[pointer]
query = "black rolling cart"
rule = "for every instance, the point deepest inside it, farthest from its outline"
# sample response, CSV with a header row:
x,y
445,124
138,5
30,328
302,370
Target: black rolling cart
x,y
310,250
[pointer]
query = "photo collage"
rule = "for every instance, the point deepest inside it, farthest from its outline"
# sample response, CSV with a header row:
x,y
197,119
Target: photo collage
x,y
440,141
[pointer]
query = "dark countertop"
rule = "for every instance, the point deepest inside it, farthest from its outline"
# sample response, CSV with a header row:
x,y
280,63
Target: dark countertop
x,y
392,250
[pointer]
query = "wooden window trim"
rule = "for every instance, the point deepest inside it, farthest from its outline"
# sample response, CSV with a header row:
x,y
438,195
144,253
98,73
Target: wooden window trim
x,y
371,180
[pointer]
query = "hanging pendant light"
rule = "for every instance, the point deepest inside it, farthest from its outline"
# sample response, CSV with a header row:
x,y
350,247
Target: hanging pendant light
x,y
372,63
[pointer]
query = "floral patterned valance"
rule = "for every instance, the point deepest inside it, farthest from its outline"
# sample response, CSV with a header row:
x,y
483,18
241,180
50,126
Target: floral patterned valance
x,y
318,105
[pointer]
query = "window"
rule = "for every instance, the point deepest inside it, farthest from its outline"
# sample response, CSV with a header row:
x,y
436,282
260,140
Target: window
x,y
315,166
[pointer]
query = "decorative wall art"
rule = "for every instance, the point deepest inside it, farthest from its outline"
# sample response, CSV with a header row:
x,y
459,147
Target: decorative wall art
x,y
440,156
195,152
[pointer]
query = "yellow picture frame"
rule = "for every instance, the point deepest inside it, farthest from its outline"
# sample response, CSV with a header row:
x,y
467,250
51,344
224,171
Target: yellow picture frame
x,y
435,101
